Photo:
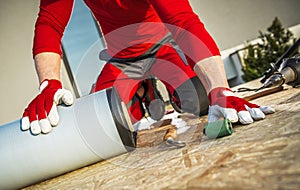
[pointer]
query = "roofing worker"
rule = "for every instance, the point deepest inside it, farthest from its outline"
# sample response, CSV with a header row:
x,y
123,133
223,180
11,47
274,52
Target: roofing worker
x,y
142,38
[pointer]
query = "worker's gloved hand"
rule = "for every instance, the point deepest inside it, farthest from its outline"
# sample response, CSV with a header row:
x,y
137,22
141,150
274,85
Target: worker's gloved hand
x,y
41,114
224,104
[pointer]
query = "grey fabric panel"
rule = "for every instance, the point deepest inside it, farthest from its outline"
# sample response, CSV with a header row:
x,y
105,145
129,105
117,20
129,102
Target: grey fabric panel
x,y
136,67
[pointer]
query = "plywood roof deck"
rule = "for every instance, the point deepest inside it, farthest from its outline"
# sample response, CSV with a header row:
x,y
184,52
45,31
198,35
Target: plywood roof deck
x,y
262,155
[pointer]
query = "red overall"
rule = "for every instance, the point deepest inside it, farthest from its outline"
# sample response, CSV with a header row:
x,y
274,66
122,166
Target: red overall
x,y
130,28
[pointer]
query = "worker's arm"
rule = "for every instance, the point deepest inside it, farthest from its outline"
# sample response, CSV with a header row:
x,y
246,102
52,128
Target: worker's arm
x,y
41,113
47,65
211,72
204,57
223,103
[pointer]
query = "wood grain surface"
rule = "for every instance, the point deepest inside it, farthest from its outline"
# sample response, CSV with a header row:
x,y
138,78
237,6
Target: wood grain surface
x,y
262,155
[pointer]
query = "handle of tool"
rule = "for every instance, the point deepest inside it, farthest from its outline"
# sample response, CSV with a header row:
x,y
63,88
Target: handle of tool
x,y
170,138
171,133
263,93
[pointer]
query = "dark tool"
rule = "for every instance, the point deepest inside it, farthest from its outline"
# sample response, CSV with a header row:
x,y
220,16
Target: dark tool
x,y
288,73
174,143
275,66
218,129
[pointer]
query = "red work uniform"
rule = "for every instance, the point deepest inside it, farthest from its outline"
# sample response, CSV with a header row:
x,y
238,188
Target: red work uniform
x,y
131,29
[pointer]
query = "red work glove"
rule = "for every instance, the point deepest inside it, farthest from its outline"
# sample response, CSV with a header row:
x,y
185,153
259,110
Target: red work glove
x,y
224,104
41,114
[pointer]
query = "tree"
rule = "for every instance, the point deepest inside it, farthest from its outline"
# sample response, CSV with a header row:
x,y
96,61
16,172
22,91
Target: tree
x,y
274,43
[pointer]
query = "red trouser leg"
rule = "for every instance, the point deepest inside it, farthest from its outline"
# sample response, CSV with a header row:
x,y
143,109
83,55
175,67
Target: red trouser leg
x,y
187,29
111,76
168,67
181,81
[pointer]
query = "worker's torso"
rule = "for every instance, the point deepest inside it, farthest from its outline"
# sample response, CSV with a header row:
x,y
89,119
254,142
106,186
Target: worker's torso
x,y
130,27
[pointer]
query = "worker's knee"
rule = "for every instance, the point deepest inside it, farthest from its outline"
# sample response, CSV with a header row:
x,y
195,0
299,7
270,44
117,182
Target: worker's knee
x,y
191,97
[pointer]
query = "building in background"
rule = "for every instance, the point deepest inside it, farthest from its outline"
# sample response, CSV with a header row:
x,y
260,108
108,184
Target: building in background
x,y
230,22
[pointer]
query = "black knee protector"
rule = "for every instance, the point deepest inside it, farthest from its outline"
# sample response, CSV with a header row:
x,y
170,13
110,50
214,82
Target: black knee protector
x,y
191,97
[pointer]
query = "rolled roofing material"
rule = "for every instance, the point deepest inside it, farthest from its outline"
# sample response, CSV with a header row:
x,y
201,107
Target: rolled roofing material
x,y
219,128
95,128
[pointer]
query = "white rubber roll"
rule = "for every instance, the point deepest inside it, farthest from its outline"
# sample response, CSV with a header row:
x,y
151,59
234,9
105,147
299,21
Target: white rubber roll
x,y
95,128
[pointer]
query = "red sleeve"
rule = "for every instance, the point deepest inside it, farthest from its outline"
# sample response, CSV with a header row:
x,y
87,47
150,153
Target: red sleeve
x,y
187,29
52,19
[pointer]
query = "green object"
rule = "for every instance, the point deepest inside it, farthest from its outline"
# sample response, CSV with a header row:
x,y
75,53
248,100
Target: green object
x,y
218,129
